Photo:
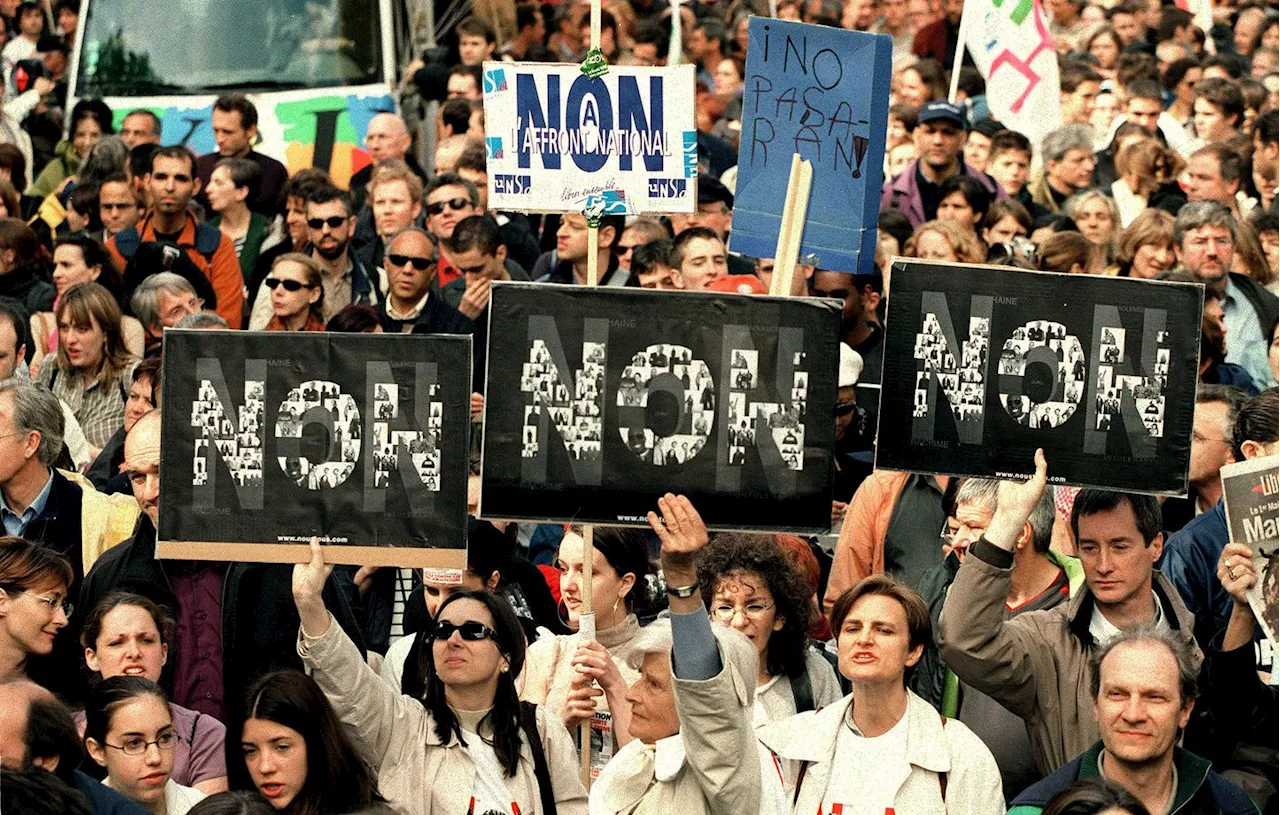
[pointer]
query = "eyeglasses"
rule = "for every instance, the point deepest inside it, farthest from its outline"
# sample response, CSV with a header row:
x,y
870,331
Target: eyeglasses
x,y
454,204
421,264
53,603
470,631
752,611
1200,437
333,222
137,746
289,285
845,408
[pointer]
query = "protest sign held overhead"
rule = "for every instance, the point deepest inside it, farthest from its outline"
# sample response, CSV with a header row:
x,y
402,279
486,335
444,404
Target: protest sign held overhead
x,y
1251,495
822,93
557,140
1010,43
272,438
600,401
982,365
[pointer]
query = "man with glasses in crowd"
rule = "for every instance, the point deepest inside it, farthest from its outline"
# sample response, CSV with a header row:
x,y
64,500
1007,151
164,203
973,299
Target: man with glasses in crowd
x,y
450,198
411,306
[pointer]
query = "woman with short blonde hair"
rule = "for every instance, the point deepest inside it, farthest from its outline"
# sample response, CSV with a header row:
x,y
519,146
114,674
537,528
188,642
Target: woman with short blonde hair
x,y
1145,246
945,241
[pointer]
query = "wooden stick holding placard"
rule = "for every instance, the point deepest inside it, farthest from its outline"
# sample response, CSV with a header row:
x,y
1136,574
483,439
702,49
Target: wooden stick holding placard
x,y
587,616
794,209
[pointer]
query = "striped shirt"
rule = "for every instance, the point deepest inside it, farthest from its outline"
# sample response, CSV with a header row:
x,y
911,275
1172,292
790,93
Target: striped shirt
x,y
99,409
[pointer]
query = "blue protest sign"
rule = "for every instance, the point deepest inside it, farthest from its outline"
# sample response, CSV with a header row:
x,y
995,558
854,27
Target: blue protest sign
x,y
823,93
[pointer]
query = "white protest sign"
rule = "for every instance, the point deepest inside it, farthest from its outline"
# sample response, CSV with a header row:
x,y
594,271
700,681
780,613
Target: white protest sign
x,y
559,141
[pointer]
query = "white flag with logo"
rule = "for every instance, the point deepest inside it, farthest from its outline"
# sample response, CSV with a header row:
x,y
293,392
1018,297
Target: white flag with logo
x,y
1010,43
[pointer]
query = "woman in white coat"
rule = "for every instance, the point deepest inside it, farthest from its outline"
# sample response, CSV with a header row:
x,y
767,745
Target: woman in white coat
x,y
892,749
469,745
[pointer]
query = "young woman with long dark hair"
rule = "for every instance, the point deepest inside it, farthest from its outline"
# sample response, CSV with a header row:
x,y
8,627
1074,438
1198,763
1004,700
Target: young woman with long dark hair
x,y
468,745
291,748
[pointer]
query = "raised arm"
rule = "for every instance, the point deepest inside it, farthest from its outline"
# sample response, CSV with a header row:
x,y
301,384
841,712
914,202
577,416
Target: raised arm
x,y
713,698
366,704
974,640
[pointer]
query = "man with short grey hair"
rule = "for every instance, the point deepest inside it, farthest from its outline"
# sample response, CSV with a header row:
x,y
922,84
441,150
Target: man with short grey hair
x,y
204,321
1069,162
1204,237
159,302
1040,579
57,509
1144,686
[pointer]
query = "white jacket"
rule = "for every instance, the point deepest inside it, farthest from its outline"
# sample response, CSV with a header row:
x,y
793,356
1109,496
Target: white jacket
x,y
972,778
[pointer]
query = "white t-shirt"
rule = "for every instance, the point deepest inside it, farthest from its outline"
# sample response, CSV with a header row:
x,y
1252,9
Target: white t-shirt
x,y
489,795
862,786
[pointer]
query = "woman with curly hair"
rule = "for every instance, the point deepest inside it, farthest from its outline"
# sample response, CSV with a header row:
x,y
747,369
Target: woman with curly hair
x,y
750,584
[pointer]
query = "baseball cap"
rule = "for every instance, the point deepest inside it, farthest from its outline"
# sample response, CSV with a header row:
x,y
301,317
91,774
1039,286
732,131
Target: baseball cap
x,y
942,110
738,284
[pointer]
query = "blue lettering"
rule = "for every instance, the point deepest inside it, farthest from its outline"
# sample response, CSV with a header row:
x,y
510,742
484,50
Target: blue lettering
x,y
531,114
579,91
631,115
506,184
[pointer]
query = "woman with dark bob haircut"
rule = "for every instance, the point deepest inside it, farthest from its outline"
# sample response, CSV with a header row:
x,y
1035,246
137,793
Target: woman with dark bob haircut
x,y
291,748
750,584
470,738
1094,796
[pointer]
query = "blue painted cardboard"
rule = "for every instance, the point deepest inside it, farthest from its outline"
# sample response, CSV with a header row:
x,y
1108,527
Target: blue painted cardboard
x,y
821,92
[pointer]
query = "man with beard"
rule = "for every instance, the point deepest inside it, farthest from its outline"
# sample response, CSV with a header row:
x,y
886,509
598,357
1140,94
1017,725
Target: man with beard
x,y
346,279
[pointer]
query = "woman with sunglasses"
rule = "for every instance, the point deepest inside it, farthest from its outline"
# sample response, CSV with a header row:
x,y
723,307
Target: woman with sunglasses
x,y
128,635
750,585
129,731
580,680
296,283
468,745
292,749
33,606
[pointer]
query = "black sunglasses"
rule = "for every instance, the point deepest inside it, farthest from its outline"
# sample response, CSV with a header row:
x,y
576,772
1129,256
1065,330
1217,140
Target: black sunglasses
x,y
289,285
846,408
453,203
471,631
421,264
334,221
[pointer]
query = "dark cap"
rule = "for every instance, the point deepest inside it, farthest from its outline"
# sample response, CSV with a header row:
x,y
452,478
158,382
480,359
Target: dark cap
x,y
988,127
942,110
710,191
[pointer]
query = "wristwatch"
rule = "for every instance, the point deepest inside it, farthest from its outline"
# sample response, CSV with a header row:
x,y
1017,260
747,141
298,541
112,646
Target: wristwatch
x,y
683,592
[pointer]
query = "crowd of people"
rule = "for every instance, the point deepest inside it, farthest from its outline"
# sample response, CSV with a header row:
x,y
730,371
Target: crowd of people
x,y
954,645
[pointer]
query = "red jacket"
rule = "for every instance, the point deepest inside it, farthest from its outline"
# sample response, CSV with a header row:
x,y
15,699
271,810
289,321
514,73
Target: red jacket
x,y
223,270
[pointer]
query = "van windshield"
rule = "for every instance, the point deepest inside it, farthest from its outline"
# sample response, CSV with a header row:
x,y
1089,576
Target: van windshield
x,y
141,47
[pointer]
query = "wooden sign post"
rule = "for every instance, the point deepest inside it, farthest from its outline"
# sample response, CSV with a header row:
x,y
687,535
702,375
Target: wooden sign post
x,y
794,210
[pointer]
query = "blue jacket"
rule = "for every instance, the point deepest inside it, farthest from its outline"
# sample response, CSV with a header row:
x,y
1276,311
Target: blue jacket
x,y
1190,561
1200,790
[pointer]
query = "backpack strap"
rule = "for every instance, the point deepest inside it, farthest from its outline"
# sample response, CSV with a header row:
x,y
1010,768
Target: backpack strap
x,y
208,239
529,724
802,690
127,242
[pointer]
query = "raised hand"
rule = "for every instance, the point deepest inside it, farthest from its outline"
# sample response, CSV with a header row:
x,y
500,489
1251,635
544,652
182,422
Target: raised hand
x,y
308,588
683,534
475,299
1016,502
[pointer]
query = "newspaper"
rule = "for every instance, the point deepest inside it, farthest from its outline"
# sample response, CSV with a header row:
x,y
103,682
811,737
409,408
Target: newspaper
x,y
1251,492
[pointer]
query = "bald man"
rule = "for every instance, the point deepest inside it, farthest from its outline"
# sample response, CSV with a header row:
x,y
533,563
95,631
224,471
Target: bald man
x,y
36,731
386,137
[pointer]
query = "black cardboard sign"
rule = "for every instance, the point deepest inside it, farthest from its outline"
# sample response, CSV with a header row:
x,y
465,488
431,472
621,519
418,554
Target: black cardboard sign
x,y
600,400
983,364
